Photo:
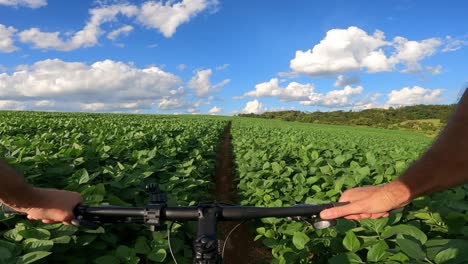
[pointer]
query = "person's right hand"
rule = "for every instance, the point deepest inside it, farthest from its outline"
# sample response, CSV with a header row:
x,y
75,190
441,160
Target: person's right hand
x,y
52,206
370,202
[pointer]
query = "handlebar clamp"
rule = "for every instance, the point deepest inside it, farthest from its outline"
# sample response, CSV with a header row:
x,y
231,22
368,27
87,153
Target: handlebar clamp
x,y
152,216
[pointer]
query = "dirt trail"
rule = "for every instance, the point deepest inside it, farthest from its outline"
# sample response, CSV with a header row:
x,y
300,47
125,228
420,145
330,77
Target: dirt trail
x,y
240,248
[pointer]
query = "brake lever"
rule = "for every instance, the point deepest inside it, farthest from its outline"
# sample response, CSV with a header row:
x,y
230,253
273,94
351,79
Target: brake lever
x,y
316,221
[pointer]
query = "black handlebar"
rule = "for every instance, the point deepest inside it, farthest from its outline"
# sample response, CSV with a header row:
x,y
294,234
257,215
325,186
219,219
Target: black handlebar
x,y
207,215
191,213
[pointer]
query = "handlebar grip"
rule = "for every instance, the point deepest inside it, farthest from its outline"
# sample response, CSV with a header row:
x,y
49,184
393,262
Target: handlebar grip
x,y
8,210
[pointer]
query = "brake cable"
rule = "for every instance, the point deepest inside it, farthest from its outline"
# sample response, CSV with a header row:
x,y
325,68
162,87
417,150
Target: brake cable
x,y
227,237
169,231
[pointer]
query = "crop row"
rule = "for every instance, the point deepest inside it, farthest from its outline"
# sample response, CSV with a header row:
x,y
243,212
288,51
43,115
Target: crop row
x,y
282,163
108,159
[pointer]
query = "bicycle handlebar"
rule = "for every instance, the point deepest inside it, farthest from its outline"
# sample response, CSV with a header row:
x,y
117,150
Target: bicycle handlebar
x,y
192,213
207,215
188,213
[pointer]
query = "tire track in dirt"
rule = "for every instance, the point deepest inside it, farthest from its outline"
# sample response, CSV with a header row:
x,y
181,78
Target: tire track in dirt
x,y
240,248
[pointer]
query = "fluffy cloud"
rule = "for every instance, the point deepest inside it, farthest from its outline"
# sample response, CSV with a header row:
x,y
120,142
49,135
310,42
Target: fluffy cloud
x,y
26,3
6,39
166,17
87,37
270,88
172,103
125,30
254,107
202,85
413,96
102,86
343,50
335,98
304,93
353,49
296,92
343,80
411,52
215,110
434,69
163,16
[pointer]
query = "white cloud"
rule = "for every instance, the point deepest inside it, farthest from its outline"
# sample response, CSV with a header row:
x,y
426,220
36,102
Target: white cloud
x,y
335,98
11,105
367,103
293,92
296,92
254,107
411,52
434,69
87,37
202,85
265,89
304,93
181,67
102,86
45,103
125,30
413,96
222,67
353,49
166,17
290,75
343,80
6,39
172,103
343,50
215,110
453,44
163,16
26,3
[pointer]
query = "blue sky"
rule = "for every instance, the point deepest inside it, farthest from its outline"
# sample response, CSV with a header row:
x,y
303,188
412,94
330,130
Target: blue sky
x,y
227,57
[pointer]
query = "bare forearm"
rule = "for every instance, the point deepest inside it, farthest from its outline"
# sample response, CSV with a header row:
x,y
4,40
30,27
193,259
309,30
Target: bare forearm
x,y
14,190
445,164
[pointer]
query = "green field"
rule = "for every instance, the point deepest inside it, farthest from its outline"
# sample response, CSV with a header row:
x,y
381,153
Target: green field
x,y
108,158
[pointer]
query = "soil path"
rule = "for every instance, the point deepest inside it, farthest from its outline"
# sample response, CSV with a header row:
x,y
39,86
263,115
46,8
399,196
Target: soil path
x,y
240,249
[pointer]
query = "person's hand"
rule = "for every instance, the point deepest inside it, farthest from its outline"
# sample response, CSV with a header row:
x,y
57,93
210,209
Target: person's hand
x,y
52,206
370,202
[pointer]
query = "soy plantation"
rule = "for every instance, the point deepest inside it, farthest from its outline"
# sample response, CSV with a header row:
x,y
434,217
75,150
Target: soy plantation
x,y
282,164
109,158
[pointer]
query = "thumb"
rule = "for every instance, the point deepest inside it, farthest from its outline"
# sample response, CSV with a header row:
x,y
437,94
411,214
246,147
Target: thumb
x,y
340,211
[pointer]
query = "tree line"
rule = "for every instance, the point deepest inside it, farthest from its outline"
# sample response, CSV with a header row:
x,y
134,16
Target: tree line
x,y
428,119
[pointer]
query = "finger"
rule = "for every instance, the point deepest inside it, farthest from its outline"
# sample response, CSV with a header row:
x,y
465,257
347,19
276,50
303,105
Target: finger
x,y
352,217
48,221
365,216
30,217
340,211
379,215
